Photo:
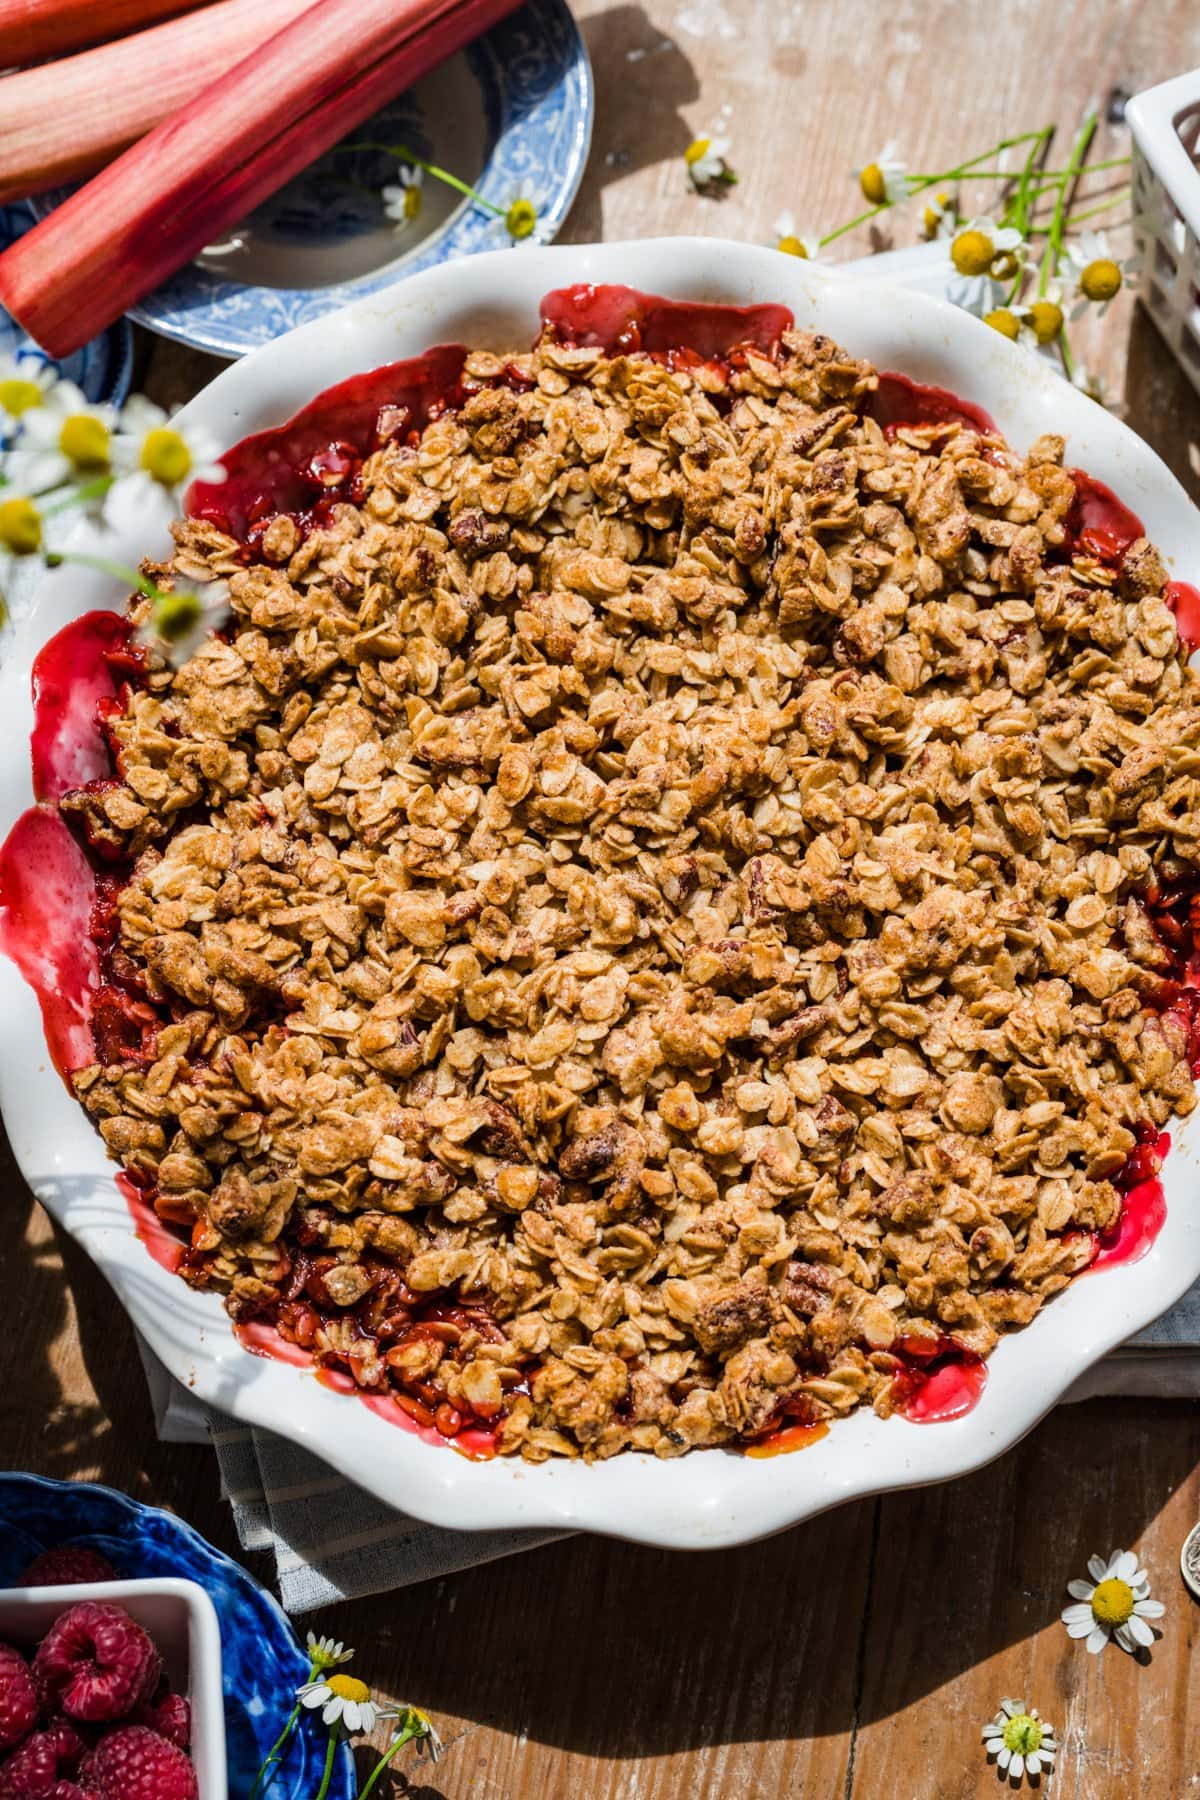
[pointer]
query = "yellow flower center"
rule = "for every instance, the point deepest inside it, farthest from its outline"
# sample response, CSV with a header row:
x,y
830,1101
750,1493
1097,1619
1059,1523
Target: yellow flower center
x,y
1023,1734
1003,321
166,456
1046,320
17,396
348,1687
931,218
20,526
791,246
1112,1602
521,218
176,614
1101,279
412,202
696,150
84,440
972,252
873,185
1005,265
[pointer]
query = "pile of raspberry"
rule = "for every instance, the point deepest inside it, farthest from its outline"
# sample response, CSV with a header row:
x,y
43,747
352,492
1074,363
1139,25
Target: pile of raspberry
x,y
89,1714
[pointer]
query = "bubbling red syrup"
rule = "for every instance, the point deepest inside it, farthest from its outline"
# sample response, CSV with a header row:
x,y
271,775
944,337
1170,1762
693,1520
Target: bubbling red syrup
x,y
47,888
1184,601
940,1379
76,677
620,320
1098,523
898,402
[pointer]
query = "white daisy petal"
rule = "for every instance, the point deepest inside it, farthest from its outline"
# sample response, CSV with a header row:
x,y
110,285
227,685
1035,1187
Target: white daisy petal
x,y
1080,1590
1122,1637
1149,1609
1139,1631
1005,1758
1073,1615
1124,1566
1097,1638
1016,1767
1097,1568
1033,1764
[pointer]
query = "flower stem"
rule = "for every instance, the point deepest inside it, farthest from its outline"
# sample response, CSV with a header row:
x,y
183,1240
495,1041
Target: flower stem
x,y
330,1753
404,154
118,571
91,490
1070,175
1091,212
275,1754
398,1744
919,183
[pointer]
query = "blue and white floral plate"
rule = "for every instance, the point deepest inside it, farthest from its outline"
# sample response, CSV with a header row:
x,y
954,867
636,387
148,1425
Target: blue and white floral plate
x,y
511,115
103,369
262,1662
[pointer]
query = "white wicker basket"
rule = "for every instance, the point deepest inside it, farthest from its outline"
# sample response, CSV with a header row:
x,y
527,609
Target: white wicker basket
x,y
1165,122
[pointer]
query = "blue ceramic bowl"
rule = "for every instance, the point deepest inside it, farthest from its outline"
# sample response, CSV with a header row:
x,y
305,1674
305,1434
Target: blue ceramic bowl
x,y
262,1662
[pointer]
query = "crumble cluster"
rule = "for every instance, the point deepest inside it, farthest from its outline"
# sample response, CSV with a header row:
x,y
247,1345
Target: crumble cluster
x,y
663,871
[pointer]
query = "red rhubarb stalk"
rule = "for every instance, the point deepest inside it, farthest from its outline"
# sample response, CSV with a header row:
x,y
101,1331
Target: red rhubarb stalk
x,y
202,170
31,30
117,93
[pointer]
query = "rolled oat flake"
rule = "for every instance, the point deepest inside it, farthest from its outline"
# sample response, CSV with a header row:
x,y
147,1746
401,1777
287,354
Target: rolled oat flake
x,y
1189,1560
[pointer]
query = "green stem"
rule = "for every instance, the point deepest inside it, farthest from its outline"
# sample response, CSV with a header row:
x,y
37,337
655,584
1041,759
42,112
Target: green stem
x,y
330,1753
1091,212
91,490
398,1744
118,571
919,183
275,1754
1068,361
1070,175
404,154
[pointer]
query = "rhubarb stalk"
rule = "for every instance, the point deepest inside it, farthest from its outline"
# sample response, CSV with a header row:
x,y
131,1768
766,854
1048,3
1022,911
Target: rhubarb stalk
x,y
117,93
192,179
32,30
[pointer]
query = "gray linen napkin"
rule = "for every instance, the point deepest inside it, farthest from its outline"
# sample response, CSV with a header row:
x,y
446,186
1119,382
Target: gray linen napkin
x,y
333,1542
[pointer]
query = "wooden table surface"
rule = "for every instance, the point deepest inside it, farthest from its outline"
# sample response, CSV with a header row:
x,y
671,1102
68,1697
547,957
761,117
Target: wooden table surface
x,y
857,1657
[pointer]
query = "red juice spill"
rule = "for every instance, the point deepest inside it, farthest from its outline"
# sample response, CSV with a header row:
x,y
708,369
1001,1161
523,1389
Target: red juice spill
x,y
261,1338
621,320
1098,522
72,679
940,1379
293,468
787,1438
898,402
165,1246
47,890
1184,601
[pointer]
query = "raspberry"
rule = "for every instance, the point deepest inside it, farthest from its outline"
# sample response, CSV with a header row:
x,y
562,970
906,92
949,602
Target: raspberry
x,y
70,1565
30,1772
66,1790
171,1717
96,1662
69,1746
18,1698
134,1763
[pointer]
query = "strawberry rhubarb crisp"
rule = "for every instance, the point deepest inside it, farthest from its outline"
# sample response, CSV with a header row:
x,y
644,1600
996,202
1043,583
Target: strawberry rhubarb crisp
x,y
643,924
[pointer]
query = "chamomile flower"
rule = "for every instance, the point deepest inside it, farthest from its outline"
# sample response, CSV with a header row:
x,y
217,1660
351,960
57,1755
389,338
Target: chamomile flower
x,y
981,247
522,220
793,242
1090,383
326,1652
180,621
1020,1742
978,294
403,199
62,440
344,1700
884,181
22,529
939,218
706,161
25,383
424,1732
1094,273
155,463
1114,1604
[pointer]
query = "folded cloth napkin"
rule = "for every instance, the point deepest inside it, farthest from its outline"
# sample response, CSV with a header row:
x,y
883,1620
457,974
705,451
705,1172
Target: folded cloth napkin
x,y
331,1541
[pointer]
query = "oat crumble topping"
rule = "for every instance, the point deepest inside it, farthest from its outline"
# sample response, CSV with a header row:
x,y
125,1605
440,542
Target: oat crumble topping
x,y
661,878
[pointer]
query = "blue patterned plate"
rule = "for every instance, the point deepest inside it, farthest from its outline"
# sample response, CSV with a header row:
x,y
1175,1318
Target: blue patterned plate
x,y
262,1662
510,115
103,369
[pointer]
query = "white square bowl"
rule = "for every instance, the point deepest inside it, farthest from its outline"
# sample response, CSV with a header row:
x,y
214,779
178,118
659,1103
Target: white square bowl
x,y
180,1618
